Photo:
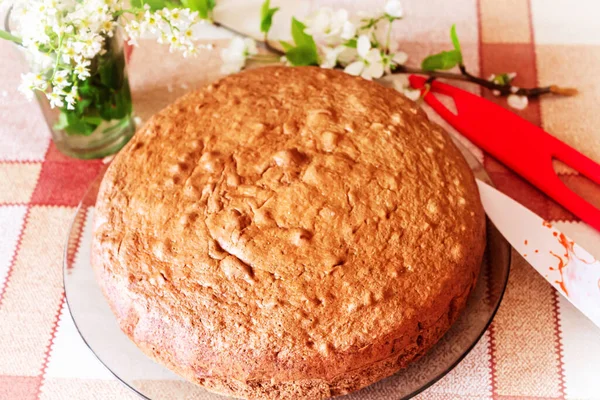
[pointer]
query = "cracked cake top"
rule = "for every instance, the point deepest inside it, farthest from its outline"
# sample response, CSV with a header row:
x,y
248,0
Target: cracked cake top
x,y
285,224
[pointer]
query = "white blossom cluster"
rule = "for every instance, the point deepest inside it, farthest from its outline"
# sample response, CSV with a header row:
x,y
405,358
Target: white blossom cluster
x,y
514,100
235,55
359,43
174,27
62,37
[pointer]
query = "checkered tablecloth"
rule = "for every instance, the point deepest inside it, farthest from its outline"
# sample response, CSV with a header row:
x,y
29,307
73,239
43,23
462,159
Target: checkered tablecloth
x,y
537,347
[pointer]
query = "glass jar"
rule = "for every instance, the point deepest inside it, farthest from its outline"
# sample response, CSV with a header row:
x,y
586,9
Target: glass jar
x,y
102,121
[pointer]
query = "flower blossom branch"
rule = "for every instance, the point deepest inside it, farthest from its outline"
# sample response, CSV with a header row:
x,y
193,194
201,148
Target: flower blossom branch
x,y
63,38
361,46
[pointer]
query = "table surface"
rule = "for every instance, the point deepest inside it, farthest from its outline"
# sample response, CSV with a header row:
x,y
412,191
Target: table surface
x,y
537,347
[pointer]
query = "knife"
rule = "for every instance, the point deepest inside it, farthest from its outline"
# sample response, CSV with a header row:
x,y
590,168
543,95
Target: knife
x,y
520,145
568,267
529,150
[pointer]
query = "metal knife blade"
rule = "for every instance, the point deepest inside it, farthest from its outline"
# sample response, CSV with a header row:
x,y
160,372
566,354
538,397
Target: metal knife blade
x,y
572,270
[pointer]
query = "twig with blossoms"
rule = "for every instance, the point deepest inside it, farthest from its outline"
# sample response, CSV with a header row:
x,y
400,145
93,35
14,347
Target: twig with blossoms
x,y
170,26
62,39
361,45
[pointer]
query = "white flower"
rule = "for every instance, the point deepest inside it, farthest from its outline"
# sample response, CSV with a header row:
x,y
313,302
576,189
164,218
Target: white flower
x,y
331,55
68,52
331,26
31,82
174,41
82,23
108,27
151,22
39,82
56,98
285,61
26,88
81,69
175,26
190,51
231,68
79,28
517,102
392,60
60,79
51,5
188,34
348,30
97,7
393,8
133,31
89,45
235,55
400,58
407,90
70,98
412,94
174,16
61,30
371,63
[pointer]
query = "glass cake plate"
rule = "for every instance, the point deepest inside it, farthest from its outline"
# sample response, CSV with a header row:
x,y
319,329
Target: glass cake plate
x,y
100,331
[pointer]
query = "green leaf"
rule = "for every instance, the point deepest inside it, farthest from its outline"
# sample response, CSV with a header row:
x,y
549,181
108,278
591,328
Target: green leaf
x,y
71,123
94,120
77,126
503,79
172,4
351,43
204,7
455,42
266,16
286,45
7,36
123,101
117,105
443,60
303,55
305,52
112,71
302,38
62,121
82,104
85,87
154,4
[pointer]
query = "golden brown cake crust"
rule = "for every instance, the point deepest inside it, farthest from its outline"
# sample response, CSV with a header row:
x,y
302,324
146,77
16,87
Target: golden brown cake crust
x,y
288,233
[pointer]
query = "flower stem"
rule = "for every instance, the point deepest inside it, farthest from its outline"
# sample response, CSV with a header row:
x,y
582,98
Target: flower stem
x,y
388,37
58,55
134,11
7,36
464,75
504,90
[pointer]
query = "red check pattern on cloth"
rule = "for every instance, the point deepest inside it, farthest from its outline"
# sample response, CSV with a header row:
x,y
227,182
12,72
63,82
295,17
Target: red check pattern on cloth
x,y
538,346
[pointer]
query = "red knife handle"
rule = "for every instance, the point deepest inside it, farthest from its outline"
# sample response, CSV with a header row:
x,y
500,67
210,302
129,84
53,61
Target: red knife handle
x,y
520,145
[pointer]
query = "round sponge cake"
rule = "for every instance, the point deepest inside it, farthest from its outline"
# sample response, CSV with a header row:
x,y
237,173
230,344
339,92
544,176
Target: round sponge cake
x,y
288,233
